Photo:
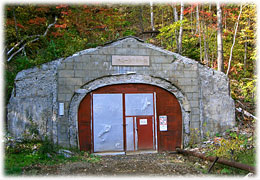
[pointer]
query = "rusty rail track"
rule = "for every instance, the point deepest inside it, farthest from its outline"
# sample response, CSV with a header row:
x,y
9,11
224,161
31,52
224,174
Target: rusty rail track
x,y
219,160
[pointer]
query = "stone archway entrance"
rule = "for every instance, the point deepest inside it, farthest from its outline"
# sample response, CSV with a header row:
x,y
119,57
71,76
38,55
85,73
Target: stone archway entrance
x,y
61,86
129,117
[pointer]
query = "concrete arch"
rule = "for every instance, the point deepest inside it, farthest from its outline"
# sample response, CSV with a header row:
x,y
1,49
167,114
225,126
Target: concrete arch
x,y
125,79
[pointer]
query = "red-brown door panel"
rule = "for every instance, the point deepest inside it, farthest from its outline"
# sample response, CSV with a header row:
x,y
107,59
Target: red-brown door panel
x,y
145,132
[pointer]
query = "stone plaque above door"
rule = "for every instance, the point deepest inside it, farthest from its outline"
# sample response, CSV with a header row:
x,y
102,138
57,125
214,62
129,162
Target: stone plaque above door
x,y
130,61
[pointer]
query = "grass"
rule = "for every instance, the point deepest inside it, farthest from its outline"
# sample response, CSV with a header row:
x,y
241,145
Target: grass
x,y
248,157
25,155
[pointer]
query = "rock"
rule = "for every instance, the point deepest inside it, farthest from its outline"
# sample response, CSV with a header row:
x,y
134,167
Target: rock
x,y
208,142
65,153
249,175
203,145
197,164
204,167
235,129
194,149
34,151
49,155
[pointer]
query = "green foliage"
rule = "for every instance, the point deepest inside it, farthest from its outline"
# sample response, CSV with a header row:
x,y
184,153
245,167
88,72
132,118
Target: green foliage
x,y
237,147
167,34
128,33
20,155
29,153
217,135
244,89
191,47
46,147
247,157
225,171
15,162
20,63
249,90
194,137
228,148
234,147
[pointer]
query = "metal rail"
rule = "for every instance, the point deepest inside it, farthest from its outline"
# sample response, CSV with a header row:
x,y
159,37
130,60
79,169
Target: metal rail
x,y
219,160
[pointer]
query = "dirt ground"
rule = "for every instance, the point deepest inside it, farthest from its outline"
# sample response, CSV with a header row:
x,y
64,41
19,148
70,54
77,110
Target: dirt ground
x,y
161,164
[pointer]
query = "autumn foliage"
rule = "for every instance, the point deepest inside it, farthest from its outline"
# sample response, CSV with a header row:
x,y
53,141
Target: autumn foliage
x,y
84,26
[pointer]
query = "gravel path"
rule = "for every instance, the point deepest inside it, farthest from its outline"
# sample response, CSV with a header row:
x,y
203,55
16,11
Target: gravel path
x,y
160,164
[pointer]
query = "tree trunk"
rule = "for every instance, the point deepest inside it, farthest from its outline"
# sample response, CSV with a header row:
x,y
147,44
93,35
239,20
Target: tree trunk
x,y
213,53
234,40
225,20
162,27
162,18
198,29
141,18
204,35
175,14
219,39
206,59
152,22
191,23
15,25
181,29
197,19
208,41
245,55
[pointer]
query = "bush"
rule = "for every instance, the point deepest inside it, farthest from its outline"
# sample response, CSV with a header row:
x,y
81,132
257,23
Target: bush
x,y
46,147
232,147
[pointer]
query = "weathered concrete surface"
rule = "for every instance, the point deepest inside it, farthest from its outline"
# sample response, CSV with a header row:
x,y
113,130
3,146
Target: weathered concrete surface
x,y
34,101
203,93
217,107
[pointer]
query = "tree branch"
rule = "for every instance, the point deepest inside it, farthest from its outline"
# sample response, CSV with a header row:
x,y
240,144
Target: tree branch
x,y
16,52
37,37
246,113
50,25
19,43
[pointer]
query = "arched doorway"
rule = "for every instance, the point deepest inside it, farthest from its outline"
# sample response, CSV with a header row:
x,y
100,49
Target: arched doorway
x,y
129,117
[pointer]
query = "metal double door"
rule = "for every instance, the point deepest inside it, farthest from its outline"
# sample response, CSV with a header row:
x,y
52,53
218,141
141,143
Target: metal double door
x,y
118,117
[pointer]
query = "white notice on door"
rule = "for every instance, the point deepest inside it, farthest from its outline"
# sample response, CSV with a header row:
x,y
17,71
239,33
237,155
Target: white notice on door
x,y
163,123
143,121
